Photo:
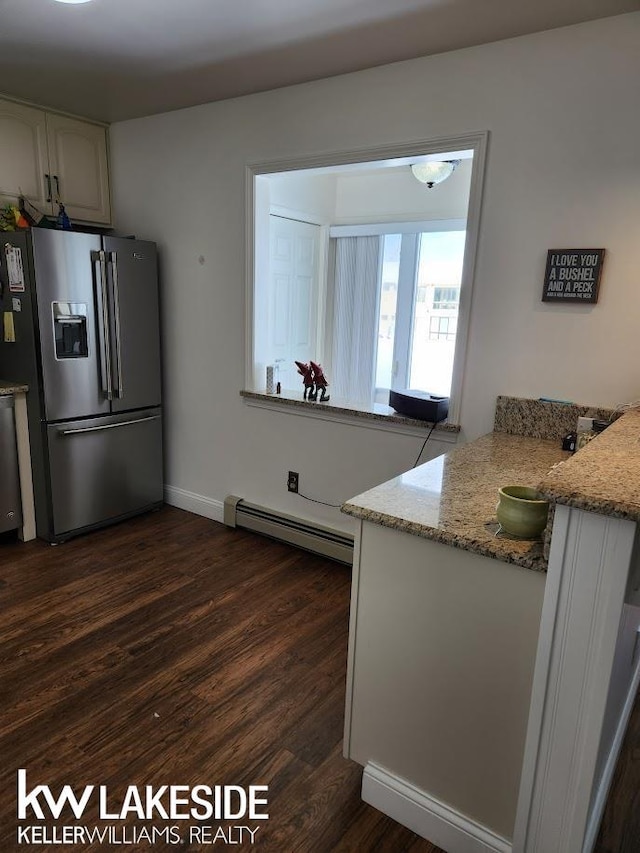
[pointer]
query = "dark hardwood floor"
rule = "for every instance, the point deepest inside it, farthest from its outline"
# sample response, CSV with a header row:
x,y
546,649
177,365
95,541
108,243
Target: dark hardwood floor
x,y
171,650
620,827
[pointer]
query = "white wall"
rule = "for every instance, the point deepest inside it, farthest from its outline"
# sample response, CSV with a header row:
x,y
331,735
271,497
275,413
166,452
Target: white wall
x,y
563,171
396,195
386,195
313,195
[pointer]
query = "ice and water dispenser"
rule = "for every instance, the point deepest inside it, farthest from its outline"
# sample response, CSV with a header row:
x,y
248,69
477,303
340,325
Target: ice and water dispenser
x,y
70,329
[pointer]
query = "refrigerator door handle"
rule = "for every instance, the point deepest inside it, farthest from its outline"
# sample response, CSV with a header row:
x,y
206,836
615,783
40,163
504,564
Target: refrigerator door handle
x,y
100,261
48,180
113,258
108,426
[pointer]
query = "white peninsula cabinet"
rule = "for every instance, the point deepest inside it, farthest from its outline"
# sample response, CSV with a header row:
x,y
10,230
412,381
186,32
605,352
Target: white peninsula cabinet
x,y
49,158
490,679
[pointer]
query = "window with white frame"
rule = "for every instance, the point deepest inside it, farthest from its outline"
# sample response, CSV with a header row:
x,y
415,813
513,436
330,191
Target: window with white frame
x,y
396,304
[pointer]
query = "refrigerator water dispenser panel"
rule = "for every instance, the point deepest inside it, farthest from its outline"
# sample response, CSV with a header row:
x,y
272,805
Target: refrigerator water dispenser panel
x,y
70,329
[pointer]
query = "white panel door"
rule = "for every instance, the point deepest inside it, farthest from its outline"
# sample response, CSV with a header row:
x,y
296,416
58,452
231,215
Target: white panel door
x,y
23,155
78,162
293,296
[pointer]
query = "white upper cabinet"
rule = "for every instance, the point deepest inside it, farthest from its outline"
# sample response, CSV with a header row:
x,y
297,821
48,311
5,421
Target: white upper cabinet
x,y
51,158
24,161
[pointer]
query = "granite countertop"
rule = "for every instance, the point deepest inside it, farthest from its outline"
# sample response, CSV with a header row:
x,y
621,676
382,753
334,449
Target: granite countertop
x,y
12,387
604,476
453,498
375,411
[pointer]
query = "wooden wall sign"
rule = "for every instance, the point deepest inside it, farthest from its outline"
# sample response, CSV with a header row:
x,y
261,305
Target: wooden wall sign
x,y
572,275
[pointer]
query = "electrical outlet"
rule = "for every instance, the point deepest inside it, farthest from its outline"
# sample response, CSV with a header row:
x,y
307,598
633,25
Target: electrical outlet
x,y
292,481
585,424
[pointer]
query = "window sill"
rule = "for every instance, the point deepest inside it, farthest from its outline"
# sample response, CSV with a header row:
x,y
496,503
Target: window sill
x,y
375,416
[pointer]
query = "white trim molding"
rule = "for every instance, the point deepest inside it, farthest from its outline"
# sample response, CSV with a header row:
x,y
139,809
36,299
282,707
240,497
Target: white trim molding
x,y
379,228
428,817
296,215
192,502
583,607
351,649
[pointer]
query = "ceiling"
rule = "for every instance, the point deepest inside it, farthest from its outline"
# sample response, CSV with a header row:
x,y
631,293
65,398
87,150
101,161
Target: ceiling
x,y
119,59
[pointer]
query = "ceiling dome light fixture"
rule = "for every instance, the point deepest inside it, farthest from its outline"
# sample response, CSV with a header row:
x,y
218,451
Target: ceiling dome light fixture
x,y
73,1
434,171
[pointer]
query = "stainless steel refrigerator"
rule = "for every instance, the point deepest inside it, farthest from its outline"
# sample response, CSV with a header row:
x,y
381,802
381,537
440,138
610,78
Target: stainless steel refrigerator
x,y
80,326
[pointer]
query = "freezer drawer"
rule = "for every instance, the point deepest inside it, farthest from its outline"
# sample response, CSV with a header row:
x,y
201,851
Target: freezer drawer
x,y
10,506
104,468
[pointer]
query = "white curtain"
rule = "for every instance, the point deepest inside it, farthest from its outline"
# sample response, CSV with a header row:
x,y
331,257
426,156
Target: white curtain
x,y
355,317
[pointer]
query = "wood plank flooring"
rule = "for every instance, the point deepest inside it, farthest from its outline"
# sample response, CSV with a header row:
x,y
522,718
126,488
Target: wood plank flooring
x,y
171,650
620,827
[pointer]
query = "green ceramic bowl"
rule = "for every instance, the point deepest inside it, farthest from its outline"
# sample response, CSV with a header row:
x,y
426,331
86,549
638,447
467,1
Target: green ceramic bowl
x,y
522,512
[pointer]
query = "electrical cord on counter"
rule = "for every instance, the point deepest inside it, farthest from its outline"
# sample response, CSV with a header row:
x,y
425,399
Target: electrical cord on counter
x,y
622,408
424,444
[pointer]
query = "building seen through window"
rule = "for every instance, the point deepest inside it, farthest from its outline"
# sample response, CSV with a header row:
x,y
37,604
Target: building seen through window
x,y
429,301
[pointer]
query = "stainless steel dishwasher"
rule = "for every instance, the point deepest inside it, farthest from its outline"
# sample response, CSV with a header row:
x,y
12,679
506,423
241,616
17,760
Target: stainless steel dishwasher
x,y
10,506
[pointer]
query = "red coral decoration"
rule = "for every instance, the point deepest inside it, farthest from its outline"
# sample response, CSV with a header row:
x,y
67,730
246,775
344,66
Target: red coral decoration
x,y
314,381
320,381
307,379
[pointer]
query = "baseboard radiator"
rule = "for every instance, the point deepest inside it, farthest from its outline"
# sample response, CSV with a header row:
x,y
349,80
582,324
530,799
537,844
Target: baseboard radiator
x,y
309,536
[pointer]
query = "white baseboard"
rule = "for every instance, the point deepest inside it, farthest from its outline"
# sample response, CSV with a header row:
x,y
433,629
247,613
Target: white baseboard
x,y
600,798
429,818
192,502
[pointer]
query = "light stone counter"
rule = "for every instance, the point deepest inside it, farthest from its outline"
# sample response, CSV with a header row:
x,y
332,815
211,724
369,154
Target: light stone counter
x,y
12,388
542,418
603,477
453,498
377,412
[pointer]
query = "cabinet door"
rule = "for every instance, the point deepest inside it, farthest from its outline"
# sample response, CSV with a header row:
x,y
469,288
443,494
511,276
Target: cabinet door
x,y
78,160
23,155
